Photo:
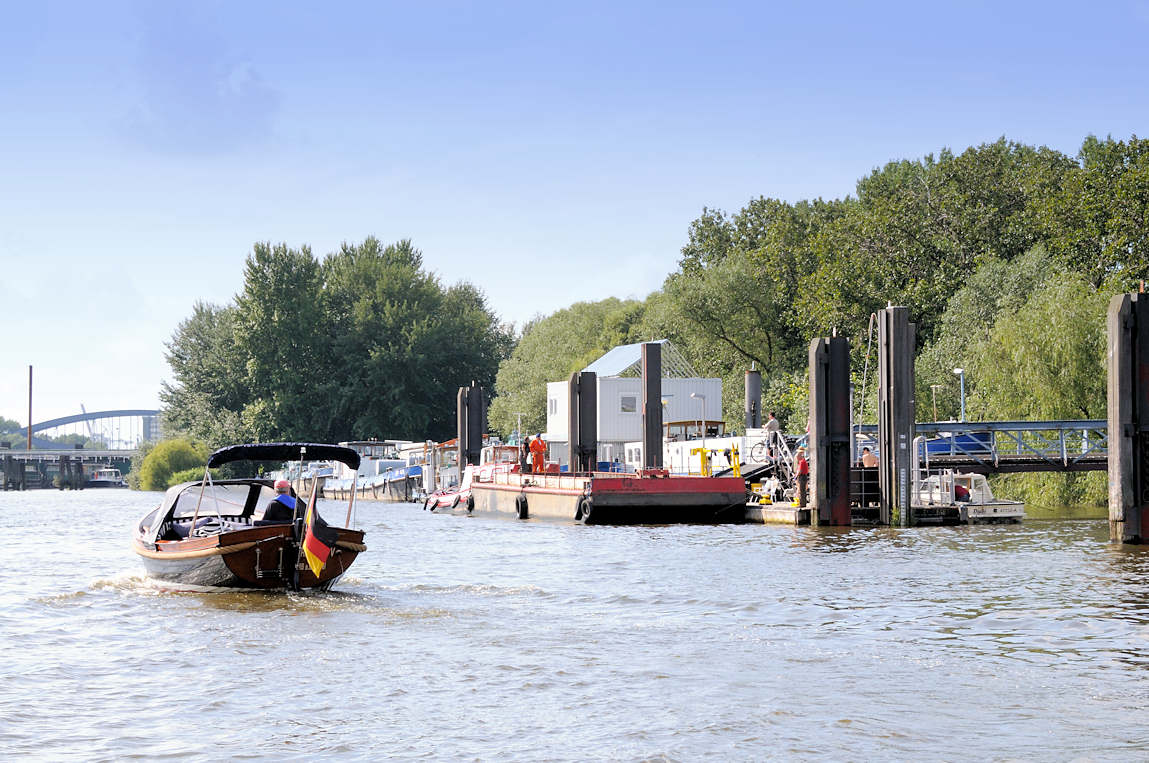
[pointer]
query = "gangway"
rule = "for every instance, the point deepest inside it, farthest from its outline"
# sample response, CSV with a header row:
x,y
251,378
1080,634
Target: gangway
x,y
1005,447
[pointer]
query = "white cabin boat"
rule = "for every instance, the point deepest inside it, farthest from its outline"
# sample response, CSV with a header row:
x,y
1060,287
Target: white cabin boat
x,y
970,494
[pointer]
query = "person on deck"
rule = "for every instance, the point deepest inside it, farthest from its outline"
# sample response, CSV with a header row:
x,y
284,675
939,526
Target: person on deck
x,y
803,476
868,458
538,454
283,507
961,493
525,455
773,432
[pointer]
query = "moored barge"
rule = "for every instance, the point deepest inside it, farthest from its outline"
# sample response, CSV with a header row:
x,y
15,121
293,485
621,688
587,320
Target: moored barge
x,y
650,497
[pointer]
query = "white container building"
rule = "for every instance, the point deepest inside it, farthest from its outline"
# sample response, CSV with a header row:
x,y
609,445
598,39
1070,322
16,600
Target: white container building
x,y
689,403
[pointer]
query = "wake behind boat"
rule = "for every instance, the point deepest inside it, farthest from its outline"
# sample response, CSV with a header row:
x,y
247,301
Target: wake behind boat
x,y
214,533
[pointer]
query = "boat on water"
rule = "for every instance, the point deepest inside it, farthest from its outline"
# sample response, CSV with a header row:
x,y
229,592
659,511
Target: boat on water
x,y
379,460
105,476
213,534
652,496
968,494
494,458
497,485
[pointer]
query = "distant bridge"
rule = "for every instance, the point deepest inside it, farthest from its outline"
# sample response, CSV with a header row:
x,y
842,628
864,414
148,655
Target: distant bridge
x,y
142,424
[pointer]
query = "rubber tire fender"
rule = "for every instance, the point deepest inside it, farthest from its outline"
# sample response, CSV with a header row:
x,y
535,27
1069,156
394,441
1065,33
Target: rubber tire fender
x,y
521,506
455,502
470,503
584,510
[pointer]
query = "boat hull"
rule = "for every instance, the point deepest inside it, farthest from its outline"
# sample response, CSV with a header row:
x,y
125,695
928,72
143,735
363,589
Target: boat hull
x,y
258,558
612,498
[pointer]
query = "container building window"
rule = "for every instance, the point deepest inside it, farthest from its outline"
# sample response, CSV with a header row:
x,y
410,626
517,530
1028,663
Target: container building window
x,y
628,404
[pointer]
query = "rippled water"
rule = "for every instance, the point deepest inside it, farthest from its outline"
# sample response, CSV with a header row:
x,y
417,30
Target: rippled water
x,y
487,639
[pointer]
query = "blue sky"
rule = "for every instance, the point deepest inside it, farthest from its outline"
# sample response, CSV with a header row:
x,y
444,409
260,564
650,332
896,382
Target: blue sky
x,y
548,153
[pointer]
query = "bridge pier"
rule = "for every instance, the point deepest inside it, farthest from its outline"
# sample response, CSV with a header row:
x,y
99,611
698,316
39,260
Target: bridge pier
x,y
13,473
1128,404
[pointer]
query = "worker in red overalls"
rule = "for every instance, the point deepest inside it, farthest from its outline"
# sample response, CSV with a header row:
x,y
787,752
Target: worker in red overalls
x,y
803,477
538,454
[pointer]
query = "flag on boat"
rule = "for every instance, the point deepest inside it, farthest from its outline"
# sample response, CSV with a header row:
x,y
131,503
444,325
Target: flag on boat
x,y
318,540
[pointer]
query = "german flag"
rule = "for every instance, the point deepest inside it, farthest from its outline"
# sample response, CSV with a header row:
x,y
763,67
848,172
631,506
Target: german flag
x,y
318,540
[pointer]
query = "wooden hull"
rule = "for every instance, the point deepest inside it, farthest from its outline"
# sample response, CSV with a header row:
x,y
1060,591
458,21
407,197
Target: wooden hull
x,y
258,557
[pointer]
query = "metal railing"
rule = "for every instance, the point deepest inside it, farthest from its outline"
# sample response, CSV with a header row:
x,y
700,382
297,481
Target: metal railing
x,y
1067,445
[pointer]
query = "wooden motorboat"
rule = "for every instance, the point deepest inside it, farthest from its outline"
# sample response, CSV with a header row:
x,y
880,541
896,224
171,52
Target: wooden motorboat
x,y
212,533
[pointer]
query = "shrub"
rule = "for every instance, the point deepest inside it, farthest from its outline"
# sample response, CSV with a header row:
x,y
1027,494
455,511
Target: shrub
x,y
167,458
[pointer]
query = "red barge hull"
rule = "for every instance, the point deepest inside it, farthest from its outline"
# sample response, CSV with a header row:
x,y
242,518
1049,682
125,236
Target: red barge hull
x,y
610,498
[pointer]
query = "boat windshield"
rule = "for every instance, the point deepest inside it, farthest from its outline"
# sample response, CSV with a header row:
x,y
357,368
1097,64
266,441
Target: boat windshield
x,y
228,500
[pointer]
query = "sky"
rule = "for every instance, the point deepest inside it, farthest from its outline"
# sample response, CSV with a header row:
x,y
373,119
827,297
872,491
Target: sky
x,y
548,153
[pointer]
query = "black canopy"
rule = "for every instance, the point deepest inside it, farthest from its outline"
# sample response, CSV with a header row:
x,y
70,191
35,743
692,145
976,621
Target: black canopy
x,y
284,451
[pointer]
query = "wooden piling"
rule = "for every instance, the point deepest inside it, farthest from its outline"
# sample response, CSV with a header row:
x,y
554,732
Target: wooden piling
x,y
1128,408
896,459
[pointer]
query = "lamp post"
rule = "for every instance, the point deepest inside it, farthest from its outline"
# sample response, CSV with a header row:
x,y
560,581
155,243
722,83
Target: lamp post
x,y
934,390
961,376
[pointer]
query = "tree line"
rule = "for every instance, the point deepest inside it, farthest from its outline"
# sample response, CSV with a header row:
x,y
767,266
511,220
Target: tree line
x,y
1006,255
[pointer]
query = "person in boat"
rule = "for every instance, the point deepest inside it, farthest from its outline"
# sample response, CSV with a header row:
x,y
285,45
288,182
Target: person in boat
x,y
525,455
803,476
538,454
283,508
868,458
961,493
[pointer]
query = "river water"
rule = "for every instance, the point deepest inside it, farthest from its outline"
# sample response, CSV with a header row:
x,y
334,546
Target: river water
x,y
458,638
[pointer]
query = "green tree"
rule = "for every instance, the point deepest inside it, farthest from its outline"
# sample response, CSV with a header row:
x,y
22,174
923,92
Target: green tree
x,y
211,386
168,457
550,349
283,332
413,342
1098,221
997,289
1046,360
366,343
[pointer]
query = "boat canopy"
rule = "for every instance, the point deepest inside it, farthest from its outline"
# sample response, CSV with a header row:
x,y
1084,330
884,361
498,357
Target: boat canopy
x,y
284,451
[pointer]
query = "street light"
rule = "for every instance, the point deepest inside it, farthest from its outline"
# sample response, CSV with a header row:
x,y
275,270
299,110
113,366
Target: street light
x,y
961,375
934,389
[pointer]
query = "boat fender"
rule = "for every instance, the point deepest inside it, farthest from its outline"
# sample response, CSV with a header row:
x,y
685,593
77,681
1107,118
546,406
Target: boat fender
x,y
470,503
427,503
584,509
521,506
455,502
